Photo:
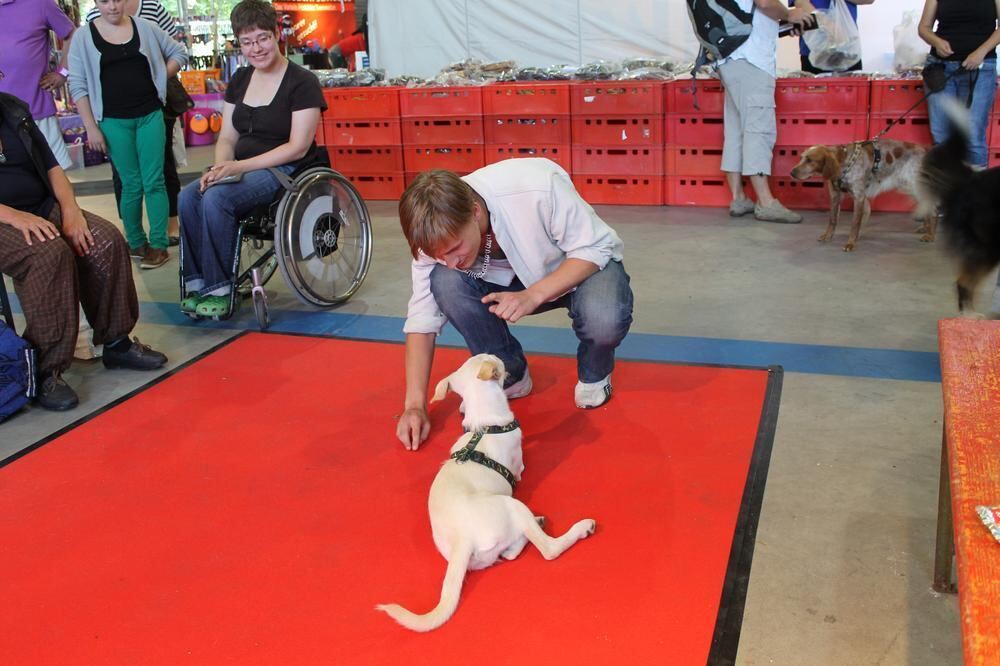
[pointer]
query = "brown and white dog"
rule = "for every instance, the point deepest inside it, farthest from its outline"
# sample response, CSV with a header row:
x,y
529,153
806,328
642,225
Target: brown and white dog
x,y
848,169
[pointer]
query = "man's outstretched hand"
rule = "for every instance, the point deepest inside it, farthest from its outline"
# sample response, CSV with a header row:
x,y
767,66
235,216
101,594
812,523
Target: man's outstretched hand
x,y
413,427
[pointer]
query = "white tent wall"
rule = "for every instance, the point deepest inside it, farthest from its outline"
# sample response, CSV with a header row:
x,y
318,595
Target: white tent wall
x,y
422,36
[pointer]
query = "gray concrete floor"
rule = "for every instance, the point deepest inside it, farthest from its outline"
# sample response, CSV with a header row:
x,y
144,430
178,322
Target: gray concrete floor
x,y
842,567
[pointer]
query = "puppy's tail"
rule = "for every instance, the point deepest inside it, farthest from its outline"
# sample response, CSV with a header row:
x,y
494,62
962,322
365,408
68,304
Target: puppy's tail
x,y
944,169
451,590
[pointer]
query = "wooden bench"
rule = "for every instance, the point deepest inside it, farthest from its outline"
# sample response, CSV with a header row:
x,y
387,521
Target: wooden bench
x,y
970,476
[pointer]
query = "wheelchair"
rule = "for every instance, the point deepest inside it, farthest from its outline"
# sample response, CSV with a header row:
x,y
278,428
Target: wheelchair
x,y
317,232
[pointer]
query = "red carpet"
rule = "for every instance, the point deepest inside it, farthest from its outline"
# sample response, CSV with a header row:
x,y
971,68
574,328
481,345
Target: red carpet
x,y
255,506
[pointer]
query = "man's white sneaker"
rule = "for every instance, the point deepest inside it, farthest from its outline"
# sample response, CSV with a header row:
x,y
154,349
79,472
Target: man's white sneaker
x,y
520,388
593,395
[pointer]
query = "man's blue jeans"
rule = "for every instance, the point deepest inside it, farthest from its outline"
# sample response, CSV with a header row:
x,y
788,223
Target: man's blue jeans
x,y
983,89
209,221
600,307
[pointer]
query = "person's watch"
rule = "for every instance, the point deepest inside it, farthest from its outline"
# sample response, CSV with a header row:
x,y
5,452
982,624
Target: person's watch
x,y
63,72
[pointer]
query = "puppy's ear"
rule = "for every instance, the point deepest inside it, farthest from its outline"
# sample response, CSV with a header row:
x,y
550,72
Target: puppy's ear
x,y
489,370
442,389
830,168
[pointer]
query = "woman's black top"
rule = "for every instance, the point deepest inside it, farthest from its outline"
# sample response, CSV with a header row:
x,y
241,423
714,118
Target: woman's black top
x,y
264,128
127,88
965,24
20,185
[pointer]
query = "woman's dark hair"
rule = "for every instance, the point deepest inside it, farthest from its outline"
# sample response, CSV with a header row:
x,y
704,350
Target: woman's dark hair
x,y
251,14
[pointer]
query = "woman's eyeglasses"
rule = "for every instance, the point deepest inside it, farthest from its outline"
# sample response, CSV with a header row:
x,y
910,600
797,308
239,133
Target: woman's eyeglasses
x,y
261,41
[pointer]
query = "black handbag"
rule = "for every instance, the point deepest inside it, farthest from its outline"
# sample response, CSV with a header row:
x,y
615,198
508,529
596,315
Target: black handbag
x,y
934,77
179,101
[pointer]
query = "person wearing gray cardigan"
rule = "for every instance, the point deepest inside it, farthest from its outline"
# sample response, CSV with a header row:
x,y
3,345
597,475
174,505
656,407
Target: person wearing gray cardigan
x,y
118,78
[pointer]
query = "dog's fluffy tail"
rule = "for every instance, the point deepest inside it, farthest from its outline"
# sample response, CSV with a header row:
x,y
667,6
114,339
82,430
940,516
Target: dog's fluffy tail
x,y
451,590
944,169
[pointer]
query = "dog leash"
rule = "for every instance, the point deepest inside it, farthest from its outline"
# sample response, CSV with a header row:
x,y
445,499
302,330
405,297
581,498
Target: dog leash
x,y
468,452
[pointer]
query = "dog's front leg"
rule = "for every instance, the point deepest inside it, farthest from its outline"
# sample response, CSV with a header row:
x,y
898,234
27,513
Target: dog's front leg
x,y
862,209
835,198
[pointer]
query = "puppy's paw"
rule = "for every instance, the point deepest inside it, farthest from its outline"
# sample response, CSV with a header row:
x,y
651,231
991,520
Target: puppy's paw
x,y
927,238
825,238
849,247
540,520
589,526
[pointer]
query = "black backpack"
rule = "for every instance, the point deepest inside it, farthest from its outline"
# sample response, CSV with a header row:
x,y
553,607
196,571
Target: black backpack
x,y
17,371
721,27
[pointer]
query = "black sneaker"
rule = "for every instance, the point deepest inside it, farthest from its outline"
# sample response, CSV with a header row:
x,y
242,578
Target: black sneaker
x,y
136,356
55,394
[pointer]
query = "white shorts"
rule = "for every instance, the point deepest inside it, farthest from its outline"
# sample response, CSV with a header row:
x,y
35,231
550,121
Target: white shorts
x,y
50,129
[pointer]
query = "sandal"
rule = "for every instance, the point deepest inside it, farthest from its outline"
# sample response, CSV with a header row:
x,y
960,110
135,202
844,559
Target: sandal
x,y
213,306
190,304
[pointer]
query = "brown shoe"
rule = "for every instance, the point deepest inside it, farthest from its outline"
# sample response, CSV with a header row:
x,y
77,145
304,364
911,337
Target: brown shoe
x,y
154,258
138,252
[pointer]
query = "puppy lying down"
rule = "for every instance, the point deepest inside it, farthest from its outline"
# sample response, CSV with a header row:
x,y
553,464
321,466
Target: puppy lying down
x,y
474,516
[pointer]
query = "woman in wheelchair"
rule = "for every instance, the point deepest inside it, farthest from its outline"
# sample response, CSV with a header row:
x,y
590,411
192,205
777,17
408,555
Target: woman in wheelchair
x,y
269,121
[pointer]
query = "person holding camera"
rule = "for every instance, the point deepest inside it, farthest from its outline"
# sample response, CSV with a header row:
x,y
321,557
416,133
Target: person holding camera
x,y
749,75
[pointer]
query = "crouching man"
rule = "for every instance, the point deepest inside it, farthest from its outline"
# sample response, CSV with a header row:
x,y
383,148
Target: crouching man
x,y
60,256
511,239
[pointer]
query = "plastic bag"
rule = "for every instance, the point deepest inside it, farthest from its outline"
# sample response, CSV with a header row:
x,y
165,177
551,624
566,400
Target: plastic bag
x,y
835,45
177,146
910,50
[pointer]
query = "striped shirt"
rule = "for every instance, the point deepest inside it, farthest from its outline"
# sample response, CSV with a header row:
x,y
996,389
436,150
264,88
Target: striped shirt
x,y
151,10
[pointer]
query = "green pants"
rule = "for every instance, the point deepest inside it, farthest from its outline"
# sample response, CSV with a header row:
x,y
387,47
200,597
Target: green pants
x,y
136,147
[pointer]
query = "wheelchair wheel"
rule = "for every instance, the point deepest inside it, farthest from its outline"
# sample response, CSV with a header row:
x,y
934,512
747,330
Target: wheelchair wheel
x,y
323,238
253,250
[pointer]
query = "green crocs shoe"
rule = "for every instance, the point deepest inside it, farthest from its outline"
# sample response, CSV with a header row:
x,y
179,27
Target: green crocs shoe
x,y
190,304
213,306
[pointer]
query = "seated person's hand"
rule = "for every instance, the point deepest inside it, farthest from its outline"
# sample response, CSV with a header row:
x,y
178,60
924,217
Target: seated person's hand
x,y
413,427
34,226
219,171
77,231
512,305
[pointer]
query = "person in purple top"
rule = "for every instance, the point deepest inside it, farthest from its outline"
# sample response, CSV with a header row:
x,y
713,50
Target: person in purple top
x,y
24,62
852,7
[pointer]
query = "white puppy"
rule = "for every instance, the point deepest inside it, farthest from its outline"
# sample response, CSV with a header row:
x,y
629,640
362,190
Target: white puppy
x,y
474,517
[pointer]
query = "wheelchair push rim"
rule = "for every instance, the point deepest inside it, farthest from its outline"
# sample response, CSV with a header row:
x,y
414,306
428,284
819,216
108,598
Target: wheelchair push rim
x,y
323,238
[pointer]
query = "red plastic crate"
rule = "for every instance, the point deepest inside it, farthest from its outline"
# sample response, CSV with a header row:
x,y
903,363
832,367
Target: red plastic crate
x,y
535,98
697,161
645,160
452,157
620,190
616,98
785,158
374,132
993,134
697,191
560,154
893,202
526,129
320,137
617,130
410,176
378,186
449,129
366,159
710,97
897,95
453,101
822,95
361,103
911,128
801,194
802,130
694,130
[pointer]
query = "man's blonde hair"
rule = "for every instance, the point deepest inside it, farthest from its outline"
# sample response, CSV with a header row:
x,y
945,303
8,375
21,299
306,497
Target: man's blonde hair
x,y
434,209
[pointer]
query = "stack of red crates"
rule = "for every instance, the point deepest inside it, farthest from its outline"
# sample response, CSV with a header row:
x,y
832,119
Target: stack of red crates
x,y
618,141
442,128
993,134
890,99
361,131
694,144
814,111
528,120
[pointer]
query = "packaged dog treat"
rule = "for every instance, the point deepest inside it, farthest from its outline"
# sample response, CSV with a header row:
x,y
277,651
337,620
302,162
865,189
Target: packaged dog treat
x,y
990,515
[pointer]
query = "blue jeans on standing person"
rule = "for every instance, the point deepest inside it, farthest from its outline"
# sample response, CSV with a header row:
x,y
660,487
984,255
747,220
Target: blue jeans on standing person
x,y
983,83
209,221
600,307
